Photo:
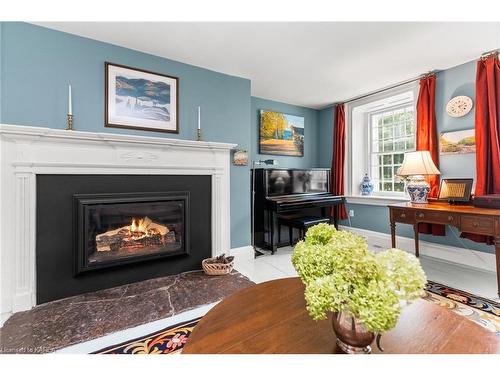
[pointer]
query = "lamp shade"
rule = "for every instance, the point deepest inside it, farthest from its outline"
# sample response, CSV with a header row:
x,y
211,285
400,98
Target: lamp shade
x,y
418,163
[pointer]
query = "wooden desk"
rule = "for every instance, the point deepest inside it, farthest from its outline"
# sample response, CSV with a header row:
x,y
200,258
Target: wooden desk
x,y
272,318
466,218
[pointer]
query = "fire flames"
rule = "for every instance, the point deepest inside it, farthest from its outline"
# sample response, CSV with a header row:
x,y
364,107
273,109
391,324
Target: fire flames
x,y
138,228
141,233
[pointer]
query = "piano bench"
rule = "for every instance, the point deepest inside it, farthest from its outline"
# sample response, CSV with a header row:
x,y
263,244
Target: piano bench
x,y
301,223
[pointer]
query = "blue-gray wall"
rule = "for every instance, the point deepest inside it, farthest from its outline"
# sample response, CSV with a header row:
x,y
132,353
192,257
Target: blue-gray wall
x,y
325,139
37,64
1,69
310,158
459,80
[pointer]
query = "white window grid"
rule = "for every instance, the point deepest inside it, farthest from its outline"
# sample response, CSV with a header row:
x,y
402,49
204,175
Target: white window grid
x,y
383,157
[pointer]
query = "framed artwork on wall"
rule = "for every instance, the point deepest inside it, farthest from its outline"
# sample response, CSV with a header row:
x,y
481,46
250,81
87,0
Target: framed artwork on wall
x,y
281,134
141,100
457,142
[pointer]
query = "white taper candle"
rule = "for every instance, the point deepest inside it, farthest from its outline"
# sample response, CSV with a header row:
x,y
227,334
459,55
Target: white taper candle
x,y
70,109
199,117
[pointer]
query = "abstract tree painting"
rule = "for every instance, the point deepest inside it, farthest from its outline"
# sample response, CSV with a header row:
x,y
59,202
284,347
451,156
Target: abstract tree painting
x,y
281,134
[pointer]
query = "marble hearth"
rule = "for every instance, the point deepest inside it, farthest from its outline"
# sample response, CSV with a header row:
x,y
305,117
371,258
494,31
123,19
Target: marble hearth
x,y
73,320
27,152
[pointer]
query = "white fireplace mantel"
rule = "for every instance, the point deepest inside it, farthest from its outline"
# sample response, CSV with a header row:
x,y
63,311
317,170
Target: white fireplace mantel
x,y
26,151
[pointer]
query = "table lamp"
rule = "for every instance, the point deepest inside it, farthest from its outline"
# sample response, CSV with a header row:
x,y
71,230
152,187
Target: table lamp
x,y
417,164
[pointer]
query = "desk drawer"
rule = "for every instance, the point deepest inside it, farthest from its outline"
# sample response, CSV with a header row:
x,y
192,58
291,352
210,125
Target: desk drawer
x,y
437,217
403,216
478,224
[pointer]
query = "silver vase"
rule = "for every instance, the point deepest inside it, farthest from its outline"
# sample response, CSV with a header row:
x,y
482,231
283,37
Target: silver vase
x,y
352,336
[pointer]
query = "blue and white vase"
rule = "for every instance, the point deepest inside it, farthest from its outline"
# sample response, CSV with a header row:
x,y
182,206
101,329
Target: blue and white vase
x,y
418,189
366,186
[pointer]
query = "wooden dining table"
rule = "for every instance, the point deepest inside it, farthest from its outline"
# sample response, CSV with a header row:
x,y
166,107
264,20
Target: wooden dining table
x,y
272,318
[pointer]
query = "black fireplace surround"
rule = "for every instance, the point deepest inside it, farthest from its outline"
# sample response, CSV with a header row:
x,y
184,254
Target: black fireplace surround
x,y
99,231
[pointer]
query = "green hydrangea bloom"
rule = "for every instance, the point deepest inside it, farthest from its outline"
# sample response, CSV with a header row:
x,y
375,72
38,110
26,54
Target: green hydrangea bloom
x,y
320,234
403,272
319,256
376,305
340,273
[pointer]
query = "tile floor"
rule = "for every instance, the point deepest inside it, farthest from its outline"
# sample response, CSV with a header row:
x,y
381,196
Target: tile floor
x,y
469,279
269,267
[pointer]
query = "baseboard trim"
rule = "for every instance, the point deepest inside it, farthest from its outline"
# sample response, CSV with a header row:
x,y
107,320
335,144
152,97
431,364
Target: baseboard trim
x,y
457,255
242,249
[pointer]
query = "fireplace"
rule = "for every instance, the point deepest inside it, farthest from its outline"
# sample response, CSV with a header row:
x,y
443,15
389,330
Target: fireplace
x,y
43,169
116,229
99,231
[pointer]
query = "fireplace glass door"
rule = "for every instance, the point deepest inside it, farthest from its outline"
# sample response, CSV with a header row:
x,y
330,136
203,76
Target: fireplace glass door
x,y
118,229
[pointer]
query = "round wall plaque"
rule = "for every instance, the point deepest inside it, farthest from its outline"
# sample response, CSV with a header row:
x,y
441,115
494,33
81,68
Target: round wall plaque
x,y
459,106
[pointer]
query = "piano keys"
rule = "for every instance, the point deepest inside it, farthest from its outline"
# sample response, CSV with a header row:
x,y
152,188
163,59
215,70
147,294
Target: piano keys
x,y
297,192
302,201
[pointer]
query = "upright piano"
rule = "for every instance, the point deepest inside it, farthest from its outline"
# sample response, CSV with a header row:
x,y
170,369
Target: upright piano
x,y
288,192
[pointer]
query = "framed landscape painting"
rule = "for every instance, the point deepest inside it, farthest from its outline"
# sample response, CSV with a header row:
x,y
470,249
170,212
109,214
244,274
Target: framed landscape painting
x,y
281,134
457,142
142,100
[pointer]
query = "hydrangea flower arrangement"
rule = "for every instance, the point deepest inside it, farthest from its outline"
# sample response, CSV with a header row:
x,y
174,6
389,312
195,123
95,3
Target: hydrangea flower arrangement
x,y
340,273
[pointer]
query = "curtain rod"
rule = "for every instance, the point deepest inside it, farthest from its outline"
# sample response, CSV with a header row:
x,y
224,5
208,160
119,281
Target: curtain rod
x,y
485,54
492,52
386,88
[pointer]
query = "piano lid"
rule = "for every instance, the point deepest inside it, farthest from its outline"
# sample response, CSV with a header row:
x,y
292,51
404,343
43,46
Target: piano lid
x,y
281,182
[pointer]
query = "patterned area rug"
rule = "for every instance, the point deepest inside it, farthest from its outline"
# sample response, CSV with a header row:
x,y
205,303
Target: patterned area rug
x,y
480,310
171,340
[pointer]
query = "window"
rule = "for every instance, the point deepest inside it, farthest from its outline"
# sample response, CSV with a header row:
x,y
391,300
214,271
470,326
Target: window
x,y
380,129
392,134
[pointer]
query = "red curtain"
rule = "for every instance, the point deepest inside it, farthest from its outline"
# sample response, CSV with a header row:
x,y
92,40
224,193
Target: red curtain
x,y
337,171
488,126
427,140
487,132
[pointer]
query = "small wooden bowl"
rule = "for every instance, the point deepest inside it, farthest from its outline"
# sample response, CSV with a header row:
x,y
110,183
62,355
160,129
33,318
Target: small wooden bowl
x,y
214,269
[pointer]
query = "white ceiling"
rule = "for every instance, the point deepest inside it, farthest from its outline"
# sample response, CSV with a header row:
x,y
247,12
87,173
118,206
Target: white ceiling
x,y
308,64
